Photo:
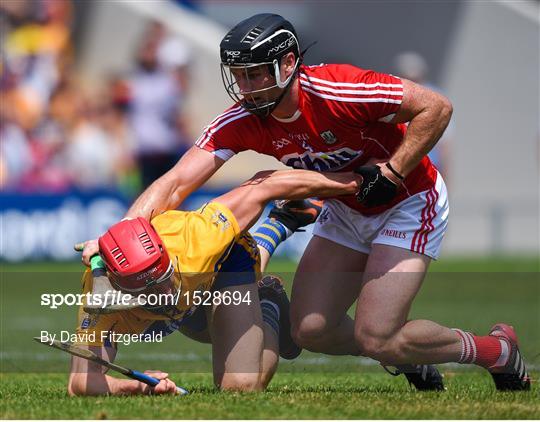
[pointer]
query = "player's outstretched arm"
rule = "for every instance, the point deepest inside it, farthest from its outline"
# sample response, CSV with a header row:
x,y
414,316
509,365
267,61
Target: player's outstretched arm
x,y
248,200
168,192
89,379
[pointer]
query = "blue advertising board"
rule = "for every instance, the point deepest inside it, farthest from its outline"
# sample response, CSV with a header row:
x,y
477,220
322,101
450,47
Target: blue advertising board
x,y
46,226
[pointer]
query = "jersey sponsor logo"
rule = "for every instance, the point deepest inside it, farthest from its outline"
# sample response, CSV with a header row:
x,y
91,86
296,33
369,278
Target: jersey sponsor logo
x,y
299,136
302,139
280,143
394,233
322,161
328,137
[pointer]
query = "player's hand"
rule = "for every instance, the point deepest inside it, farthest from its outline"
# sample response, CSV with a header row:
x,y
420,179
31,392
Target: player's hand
x,y
88,249
377,188
165,386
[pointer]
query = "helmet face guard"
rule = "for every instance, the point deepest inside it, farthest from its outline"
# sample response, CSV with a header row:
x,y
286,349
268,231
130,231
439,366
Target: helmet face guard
x,y
164,290
162,284
251,56
256,86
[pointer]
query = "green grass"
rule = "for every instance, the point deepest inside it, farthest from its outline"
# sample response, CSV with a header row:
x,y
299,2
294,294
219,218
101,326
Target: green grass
x,y
291,396
493,264
472,293
454,264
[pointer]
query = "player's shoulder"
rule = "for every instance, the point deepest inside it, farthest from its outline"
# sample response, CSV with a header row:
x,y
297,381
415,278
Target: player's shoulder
x,y
344,75
333,73
167,221
208,211
218,214
228,128
167,215
233,117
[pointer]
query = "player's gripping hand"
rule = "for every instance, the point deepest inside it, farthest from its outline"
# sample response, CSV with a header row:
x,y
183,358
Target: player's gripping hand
x,y
88,249
376,189
165,386
296,213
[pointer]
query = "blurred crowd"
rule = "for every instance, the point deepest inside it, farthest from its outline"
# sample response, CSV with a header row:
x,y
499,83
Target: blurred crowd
x,y
57,134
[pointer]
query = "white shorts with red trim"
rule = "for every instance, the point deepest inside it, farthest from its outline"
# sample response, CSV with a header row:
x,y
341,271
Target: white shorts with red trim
x,y
417,223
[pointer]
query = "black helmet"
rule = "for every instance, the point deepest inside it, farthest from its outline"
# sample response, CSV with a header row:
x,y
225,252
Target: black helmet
x,y
257,45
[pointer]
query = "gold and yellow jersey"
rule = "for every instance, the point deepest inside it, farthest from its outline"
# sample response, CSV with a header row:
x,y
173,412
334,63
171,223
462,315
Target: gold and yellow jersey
x,y
208,252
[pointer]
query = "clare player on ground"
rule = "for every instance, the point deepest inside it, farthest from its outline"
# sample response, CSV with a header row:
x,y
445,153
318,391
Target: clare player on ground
x,y
208,250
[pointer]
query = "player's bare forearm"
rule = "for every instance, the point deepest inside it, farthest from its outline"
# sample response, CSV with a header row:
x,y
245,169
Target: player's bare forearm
x,y
162,195
88,378
301,184
248,200
98,384
428,114
168,192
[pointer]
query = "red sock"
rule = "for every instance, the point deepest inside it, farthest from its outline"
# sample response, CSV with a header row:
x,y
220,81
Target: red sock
x,y
485,351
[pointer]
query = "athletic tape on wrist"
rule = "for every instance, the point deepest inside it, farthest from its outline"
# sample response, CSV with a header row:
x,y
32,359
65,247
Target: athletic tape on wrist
x,y
270,234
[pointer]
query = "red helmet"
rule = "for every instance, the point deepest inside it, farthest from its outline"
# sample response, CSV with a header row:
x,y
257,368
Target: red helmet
x,y
135,255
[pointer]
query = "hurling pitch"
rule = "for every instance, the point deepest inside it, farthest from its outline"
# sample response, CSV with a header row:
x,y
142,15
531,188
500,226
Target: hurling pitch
x,y
468,293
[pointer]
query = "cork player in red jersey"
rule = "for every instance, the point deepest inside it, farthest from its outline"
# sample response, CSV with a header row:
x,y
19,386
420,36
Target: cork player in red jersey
x,y
373,248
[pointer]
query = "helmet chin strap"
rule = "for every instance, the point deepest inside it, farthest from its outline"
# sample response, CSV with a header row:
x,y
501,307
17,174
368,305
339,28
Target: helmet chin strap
x,y
277,72
285,85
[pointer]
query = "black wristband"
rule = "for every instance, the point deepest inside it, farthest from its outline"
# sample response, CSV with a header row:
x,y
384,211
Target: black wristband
x,y
394,172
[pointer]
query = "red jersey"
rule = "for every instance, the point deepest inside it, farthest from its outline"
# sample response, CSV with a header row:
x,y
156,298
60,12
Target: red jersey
x,y
341,123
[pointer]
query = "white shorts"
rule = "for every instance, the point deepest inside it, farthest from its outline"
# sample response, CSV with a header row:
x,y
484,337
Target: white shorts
x,y
417,223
